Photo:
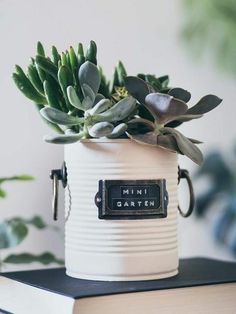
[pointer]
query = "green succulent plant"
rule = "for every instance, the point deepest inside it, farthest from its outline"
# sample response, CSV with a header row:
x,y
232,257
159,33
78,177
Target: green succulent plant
x,y
74,97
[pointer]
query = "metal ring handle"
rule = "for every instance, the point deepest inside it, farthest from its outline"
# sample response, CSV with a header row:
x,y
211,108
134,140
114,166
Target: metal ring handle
x,y
56,175
184,174
55,185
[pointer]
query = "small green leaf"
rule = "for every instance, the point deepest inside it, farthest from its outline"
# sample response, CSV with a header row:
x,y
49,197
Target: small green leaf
x,y
55,56
40,49
26,87
56,116
121,73
91,54
51,95
47,65
35,79
205,104
73,59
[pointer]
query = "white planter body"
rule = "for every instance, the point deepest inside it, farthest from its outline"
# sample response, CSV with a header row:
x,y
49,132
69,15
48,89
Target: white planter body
x,y
100,249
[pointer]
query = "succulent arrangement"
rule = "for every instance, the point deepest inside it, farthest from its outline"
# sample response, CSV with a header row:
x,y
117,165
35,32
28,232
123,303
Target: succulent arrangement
x,y
15,230
73,95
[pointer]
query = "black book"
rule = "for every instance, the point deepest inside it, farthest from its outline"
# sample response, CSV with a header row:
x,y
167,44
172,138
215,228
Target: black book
x,y
202,286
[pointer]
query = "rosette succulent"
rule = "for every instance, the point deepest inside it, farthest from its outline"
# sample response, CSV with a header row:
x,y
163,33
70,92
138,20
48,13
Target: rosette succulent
x,y
74,97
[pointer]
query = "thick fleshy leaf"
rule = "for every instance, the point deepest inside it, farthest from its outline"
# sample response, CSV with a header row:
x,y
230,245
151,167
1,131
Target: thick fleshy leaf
x,y
186,117
64,138
168,142
194,141
164,107
180,93
205,104
73,98
119,130
27,258
145,122
56,116
101,129
98,98
118,112
185,145
149,138
89,74
12,233
137,87
101,106
88,92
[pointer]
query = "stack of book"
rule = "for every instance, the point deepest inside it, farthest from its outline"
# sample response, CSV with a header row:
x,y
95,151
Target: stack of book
x,y
203,286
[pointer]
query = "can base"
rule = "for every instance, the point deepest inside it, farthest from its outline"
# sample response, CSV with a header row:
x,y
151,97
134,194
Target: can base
x,y
123,278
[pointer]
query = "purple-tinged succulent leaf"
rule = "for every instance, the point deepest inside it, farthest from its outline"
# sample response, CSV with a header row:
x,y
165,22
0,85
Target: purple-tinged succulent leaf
x,y
205,104
185,145
194,141
142,121
140,126
186,117
164,107
180,93
137,87
168,142
149,138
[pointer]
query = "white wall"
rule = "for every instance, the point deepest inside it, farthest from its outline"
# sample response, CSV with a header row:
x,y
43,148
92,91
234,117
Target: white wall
x,y
143,34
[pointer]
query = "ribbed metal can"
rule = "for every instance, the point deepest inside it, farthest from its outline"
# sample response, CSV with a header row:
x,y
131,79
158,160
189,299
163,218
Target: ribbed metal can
x,y
114,250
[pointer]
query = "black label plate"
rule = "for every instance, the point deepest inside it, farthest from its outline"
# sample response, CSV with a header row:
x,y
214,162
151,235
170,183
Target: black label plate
x,y
132,199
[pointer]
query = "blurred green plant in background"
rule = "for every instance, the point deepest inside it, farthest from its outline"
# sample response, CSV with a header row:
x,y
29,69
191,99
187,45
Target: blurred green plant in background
x,y
220,196
210,27
14,230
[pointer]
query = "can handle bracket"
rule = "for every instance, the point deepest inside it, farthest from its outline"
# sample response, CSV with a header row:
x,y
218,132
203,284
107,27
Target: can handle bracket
x,y
184,174
57,175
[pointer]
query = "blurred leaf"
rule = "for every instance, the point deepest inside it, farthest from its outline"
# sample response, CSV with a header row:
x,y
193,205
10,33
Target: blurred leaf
x,y
12,233
23,177
27,258
2,193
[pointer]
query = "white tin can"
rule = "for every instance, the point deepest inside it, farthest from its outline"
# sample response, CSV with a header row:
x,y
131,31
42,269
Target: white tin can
x,y
113,250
